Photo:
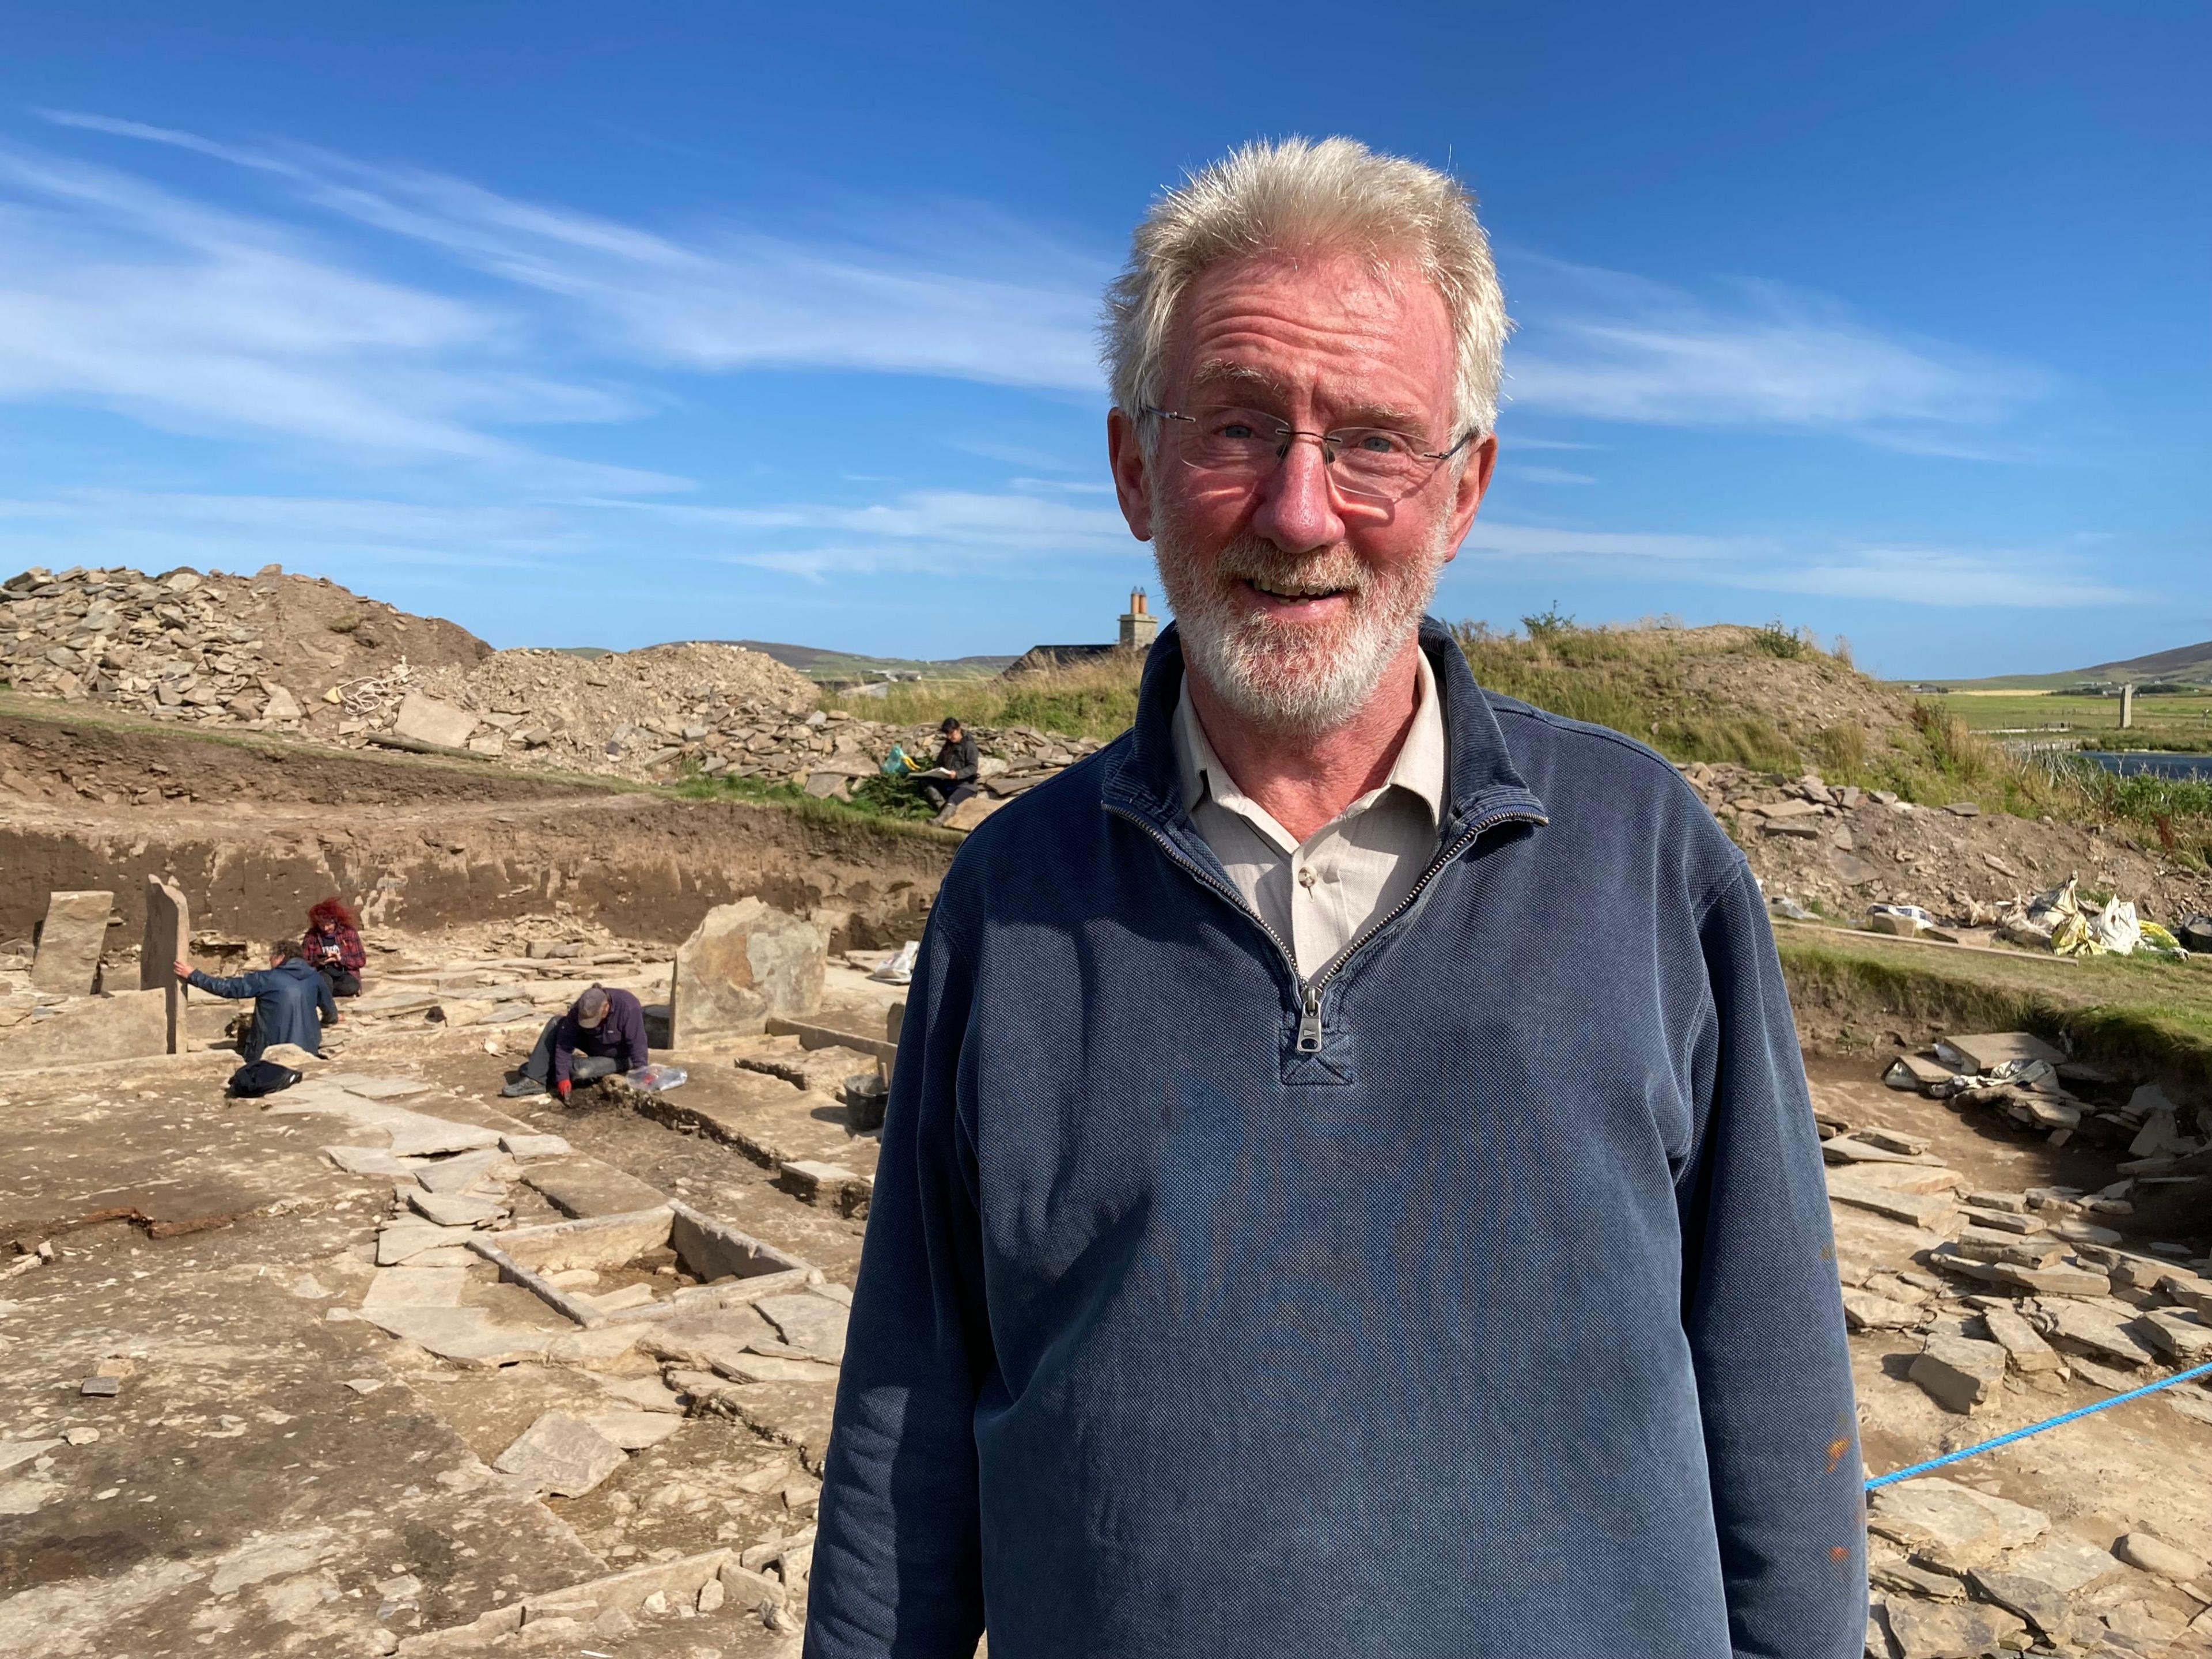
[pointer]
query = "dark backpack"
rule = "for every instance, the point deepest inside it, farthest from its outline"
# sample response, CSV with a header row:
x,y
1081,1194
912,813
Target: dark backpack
x,y
262,1076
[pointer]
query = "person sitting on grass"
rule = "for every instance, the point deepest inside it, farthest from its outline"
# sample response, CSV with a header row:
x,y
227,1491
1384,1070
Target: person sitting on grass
x,y
607,1023
292,1002
333,946
953,780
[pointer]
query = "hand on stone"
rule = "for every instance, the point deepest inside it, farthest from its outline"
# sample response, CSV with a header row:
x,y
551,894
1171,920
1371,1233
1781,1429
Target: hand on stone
x,y
184,969
562,1087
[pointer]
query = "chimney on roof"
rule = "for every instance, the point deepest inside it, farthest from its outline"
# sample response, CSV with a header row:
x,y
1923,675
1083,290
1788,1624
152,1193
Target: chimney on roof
x,y
1139,626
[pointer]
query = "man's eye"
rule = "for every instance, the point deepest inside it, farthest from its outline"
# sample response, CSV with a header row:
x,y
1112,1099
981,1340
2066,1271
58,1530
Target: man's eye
x,y
1378,443
1237,429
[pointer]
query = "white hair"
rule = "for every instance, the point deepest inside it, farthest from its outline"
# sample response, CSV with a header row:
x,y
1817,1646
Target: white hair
x,y
1300,196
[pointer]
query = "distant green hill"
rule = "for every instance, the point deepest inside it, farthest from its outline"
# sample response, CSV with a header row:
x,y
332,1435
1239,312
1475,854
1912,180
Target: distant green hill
x,y
844,665
2190,664
819,665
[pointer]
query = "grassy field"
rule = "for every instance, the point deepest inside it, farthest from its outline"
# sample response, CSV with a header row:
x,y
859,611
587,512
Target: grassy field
x,y
1692,695
2147,1015
1095,700
2179,721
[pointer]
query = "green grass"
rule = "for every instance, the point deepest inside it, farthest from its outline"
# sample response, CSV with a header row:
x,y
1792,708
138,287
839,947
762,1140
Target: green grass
x,y
2178,720
1093,699
887,808
2141,1017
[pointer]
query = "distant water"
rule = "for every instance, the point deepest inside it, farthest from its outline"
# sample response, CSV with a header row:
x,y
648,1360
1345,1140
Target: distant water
x,y
2128,761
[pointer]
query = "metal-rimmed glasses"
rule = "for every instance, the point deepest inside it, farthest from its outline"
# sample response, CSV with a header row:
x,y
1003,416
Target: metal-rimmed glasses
x,y
1372,463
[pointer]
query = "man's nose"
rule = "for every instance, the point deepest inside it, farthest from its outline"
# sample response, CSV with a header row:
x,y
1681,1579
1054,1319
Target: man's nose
x,y
1295,509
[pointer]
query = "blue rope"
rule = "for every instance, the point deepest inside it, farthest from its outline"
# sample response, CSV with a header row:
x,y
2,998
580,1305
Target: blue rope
x,y
2037,1428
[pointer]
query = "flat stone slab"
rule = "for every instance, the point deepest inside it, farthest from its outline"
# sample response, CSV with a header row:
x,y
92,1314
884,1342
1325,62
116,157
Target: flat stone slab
x,y
812,1322
405,1240
379,1088
583,1187
1985,1051
127,1025
1931,1211
468,1336
370,1161
795,1414
414,1287
535,1145
634,1431
1954,1525
1944,1630
14,1454
460,1173
562,1454
455,1209
2081,1328
415,1134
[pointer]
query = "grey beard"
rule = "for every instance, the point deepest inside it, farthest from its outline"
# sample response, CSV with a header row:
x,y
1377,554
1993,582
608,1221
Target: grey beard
x,y
1273,675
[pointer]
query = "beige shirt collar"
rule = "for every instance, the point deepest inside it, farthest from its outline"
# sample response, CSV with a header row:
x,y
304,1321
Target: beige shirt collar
x,y
1418,769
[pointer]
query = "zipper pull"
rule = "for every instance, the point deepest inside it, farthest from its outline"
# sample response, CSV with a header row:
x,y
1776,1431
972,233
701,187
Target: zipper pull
x,y
1310,1025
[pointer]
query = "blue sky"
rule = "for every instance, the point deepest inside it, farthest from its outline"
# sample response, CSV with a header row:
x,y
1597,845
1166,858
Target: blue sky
x,y
596,324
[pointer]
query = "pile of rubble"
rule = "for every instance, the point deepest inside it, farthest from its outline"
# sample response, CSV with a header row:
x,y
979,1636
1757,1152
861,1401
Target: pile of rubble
x,y
260,651
2001,1296
1952,871
274,653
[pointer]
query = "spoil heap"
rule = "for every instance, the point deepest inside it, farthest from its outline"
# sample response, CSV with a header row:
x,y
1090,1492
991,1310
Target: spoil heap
x,y
304,656
1841,849
264,650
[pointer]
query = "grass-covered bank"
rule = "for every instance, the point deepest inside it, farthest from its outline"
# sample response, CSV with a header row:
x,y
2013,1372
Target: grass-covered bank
x,y
1091,700
2139,1017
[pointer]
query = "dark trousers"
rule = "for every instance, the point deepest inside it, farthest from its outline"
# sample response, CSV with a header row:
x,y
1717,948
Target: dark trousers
x,y
341,982
933,791
583,1067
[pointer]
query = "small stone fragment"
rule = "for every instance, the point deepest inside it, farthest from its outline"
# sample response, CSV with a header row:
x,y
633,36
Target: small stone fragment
x,y
1958,1373
2150,1553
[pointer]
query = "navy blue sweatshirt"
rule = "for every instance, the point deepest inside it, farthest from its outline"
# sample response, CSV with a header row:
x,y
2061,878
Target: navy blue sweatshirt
x,y
1476,1300
289,1001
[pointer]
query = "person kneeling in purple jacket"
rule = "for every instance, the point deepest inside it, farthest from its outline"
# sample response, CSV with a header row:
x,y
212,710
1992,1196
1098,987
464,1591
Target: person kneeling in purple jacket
x,y
607,1024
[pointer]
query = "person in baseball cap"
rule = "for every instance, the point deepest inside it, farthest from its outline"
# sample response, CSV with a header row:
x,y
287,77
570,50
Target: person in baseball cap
x,y
607,1024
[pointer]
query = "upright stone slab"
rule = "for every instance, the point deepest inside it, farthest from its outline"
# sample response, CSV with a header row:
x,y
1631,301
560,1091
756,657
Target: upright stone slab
x,y
76,932
168,925
744,963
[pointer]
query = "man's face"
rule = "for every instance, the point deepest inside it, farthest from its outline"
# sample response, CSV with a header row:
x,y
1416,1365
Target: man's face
x,y
1294,597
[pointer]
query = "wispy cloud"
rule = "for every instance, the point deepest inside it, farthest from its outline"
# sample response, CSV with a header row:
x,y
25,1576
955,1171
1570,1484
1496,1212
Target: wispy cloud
x,y
1951,577
1606,345
958,291
938,532
1992,578
117,295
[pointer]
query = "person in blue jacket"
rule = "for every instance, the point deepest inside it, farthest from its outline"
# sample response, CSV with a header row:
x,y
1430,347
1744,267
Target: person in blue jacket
x,y
1349,1187
292,1002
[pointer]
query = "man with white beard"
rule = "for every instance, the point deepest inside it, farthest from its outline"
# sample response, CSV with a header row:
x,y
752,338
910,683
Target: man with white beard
x,y
1348,1187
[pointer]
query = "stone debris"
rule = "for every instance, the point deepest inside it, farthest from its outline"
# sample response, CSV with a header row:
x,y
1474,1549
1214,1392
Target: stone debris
x,y
562,1454
1953,1525
2150,1553
1958,1373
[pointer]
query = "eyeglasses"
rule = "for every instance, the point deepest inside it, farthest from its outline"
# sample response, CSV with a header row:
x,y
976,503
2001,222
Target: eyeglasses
x,y
1372,463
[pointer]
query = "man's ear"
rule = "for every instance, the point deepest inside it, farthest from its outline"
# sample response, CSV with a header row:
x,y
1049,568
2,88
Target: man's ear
x,y
1125,455
1473,483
